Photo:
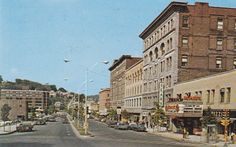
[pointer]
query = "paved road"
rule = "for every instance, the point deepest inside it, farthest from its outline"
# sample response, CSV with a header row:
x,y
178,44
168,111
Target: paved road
x,y
56,134
109,137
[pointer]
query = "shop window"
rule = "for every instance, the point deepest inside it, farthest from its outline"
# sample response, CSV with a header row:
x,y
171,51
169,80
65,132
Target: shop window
x,y
222,95
219,62
185,21
220,24
219,43
213,96
184,60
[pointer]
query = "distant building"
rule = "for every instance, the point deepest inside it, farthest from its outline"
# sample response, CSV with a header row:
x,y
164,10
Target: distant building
x,y
23,101
104,101
117,79
133,90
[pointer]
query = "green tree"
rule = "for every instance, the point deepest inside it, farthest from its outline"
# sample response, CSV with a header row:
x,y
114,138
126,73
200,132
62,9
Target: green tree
x,y
208,118
158,118
62,89
53,87
112,114
1,79
82,98
125,114
5,111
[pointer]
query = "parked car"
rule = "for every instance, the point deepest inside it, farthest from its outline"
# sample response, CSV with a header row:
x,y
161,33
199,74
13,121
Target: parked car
x,y
40,121
111,124
24,127
122,126
140,128
65,121
132,126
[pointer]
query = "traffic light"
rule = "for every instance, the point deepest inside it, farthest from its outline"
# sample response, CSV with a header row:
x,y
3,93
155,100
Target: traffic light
x,y
87,110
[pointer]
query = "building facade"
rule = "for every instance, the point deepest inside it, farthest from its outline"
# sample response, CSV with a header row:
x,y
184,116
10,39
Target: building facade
x,y
186,42
117,79
133,90
104,101
23,101
216,91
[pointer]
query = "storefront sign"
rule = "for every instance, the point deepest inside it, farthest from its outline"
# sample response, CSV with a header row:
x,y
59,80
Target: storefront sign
x,y
194,98
172,108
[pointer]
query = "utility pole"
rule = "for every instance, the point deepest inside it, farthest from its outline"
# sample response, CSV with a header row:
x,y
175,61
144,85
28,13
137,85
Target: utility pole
x,y
86,97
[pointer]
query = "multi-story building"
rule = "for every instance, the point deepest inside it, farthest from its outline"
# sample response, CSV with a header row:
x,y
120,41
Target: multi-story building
x,y
133,90
117,79
104,101
186,42
216,91
23,101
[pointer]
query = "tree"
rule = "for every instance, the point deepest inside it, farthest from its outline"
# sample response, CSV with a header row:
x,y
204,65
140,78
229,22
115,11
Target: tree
x,y
5,111
112,114
208,118
158,118
1,79
53,87
62,89
81,98
125,114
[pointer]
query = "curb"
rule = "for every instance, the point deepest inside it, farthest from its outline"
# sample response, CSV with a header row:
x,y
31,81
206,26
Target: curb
x,y
77,132
7,133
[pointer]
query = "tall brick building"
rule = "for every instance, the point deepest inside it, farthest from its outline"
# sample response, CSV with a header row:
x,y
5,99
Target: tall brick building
x,y
186,42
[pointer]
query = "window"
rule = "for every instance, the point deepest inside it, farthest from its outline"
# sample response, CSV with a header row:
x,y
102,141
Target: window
x,y
219,62
235,44
222,95
213,96
185,21
171,23
156,52
234,24
184,60
228,94
170,43
220,24
208,96
185,41
234,63
219,43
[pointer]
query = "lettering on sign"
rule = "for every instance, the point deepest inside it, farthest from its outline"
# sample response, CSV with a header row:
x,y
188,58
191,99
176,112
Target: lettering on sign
x,y
192,98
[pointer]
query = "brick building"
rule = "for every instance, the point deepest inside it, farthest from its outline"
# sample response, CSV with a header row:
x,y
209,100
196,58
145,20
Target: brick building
x,y
186,42
104,101
22,101
117,79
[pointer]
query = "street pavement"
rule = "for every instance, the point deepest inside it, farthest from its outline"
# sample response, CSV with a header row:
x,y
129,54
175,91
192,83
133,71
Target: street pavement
x,y
57,134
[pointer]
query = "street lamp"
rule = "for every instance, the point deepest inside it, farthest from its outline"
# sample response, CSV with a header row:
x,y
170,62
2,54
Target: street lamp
x,y
86,125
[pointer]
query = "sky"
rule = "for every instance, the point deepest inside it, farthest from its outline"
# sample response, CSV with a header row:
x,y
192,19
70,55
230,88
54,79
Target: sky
x,y
37,35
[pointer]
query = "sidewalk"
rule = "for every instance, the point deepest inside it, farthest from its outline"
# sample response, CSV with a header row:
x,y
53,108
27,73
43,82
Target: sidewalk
x,y
191,138
8,129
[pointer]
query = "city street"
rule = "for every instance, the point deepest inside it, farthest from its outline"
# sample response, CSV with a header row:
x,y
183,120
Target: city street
x,y
57,134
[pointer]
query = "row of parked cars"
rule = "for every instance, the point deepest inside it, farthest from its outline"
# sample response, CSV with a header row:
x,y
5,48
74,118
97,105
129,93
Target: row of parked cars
x,y
126,126
28,126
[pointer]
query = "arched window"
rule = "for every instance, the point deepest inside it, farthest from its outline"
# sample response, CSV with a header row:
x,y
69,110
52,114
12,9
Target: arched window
x,y
150,56
170,43
156,52
162,49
